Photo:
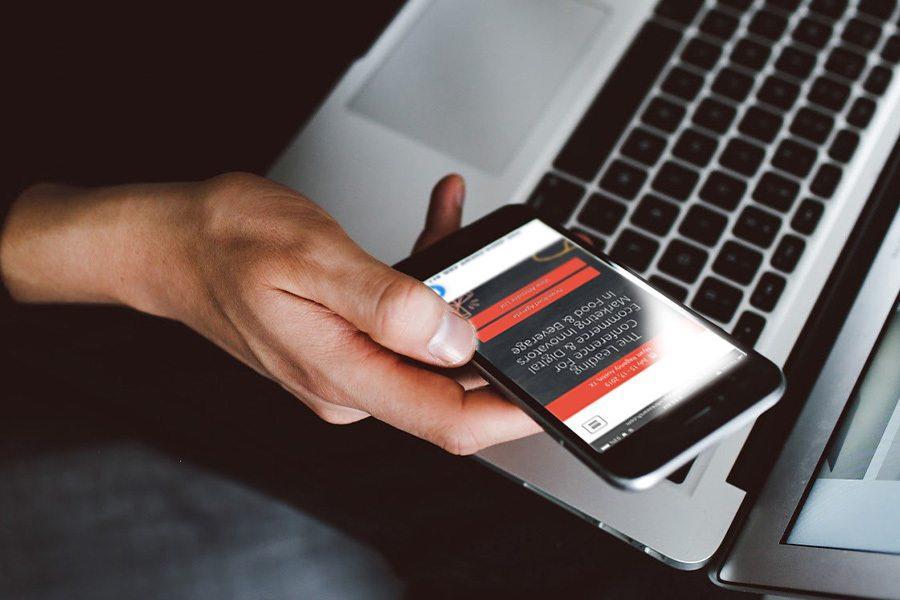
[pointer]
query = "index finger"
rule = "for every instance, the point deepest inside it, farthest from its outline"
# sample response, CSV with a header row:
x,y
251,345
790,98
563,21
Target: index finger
x,y
444,211
432,406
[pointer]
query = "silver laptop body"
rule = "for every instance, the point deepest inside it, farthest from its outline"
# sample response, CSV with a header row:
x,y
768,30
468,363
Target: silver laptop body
x,y
831,504
493,90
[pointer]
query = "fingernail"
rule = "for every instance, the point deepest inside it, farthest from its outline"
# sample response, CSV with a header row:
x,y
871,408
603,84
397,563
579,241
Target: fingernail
x,y
453,341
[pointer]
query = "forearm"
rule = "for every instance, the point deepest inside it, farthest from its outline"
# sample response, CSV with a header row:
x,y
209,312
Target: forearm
x,y
116,245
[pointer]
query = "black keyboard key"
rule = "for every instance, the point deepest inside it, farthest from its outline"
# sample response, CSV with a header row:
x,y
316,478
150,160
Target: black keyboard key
x,y
833,9
663,114
795,158
634,249
703,225
643,146
738,5
672,289
602,213
795,62
880,9
807,216
748,328
891,50
829,94
778,92
878,80
788,253
682,11
714,115
757,226
776,191
732,84
675,181
846,63
750,54
718,24
812,125
844,145
615,105
555,198
812,33
768,25
861,33
694,147
785,5
655,215
737,262
767,291
861,112
717,299
682,83
723,190
742,157
623,179
701,54
826,180
683,261
761,124
593,242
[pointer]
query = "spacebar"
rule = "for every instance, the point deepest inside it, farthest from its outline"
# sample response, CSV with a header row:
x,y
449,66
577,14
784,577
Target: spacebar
x,y
617,102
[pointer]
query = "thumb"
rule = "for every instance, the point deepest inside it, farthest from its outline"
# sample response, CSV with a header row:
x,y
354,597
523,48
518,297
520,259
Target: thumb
x,y
397,311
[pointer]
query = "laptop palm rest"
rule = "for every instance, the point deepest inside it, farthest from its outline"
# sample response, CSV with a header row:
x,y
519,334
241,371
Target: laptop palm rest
x,y
493,68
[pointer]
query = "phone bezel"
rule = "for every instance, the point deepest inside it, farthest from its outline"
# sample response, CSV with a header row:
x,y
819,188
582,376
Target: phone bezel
x,y
669,440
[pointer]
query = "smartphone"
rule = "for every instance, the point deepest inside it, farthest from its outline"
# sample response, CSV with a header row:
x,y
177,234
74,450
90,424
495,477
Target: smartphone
x,y
629,380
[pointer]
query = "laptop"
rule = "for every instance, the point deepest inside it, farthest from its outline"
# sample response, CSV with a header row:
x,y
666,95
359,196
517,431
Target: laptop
x,y
827,521
725,150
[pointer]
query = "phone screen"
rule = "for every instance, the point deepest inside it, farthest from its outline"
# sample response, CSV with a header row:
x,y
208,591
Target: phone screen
x,y
598,348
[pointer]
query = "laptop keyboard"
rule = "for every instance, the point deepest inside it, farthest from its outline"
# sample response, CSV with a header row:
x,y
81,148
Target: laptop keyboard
x,y
711,152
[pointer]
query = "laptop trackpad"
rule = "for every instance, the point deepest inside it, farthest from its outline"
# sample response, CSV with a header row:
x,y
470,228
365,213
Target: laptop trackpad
x,y
471,78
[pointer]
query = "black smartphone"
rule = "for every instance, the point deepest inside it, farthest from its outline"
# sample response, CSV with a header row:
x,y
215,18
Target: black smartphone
x,y
628,379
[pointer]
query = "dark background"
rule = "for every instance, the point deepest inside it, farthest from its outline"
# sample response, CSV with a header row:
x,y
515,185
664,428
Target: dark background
x,y
148,93
142,92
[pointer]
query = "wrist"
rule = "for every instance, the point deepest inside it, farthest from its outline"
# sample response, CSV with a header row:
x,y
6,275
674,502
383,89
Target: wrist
x,y
116,245
156,232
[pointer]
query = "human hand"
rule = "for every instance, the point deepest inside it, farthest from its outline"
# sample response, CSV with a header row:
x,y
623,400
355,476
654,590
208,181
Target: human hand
x,y
271,278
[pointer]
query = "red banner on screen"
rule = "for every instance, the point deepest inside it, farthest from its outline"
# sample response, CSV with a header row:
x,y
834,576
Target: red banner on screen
x,y
532,307
587,392
526,293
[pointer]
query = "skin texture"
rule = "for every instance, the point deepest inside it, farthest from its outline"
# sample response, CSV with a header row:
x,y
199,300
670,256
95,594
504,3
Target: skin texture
x,y
270,277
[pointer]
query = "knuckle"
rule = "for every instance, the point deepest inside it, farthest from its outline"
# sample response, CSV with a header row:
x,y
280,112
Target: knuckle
x,y
457,439
312,395
234,181
297,379
314,387
333,415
